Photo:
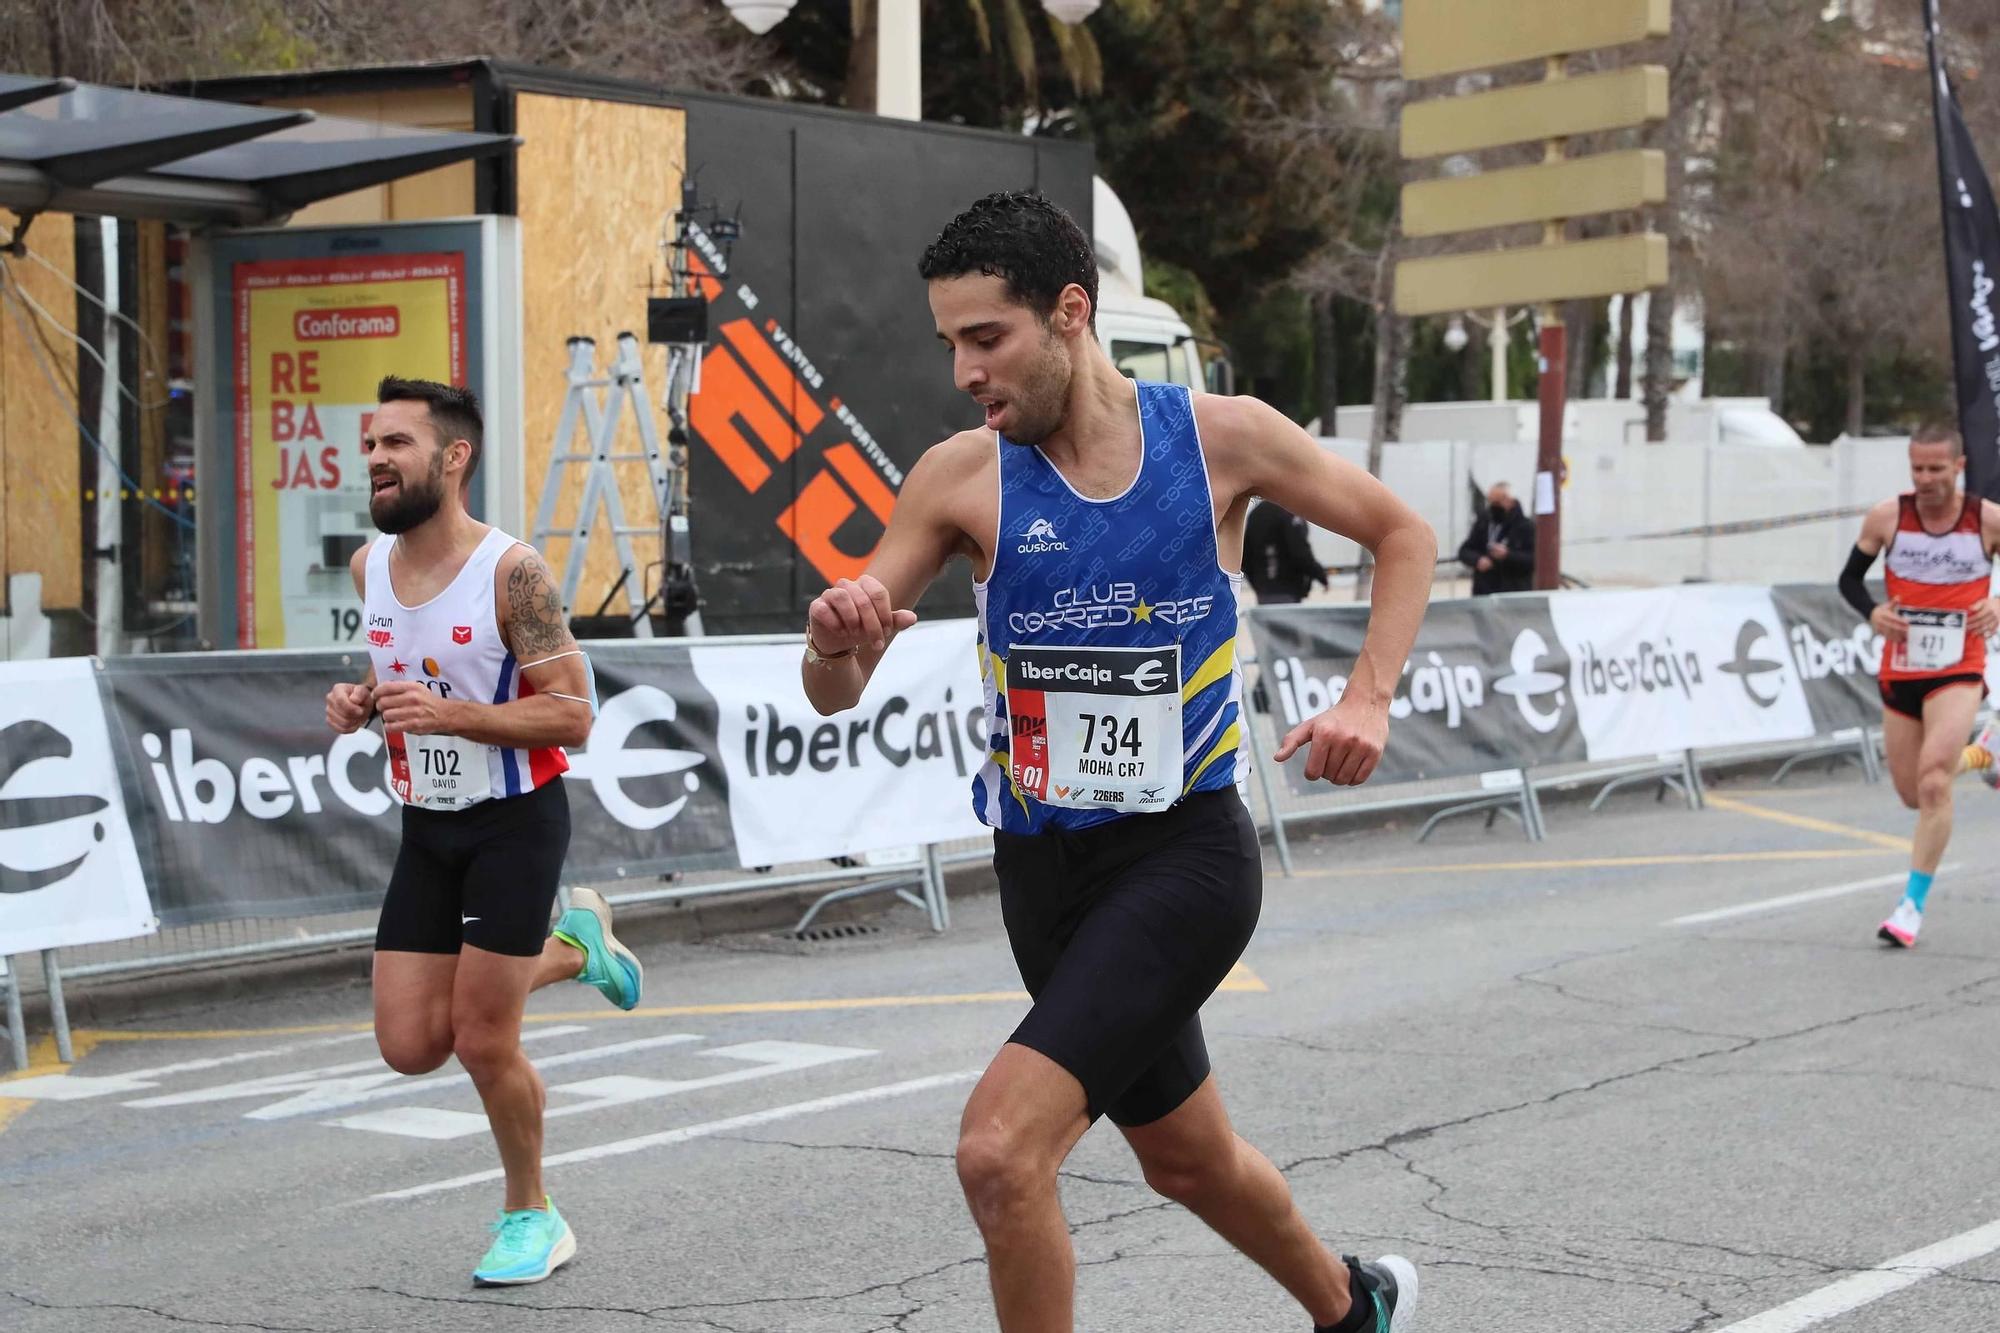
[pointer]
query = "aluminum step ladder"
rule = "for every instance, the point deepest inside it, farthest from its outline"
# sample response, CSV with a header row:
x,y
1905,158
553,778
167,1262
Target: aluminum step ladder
x,y
600,420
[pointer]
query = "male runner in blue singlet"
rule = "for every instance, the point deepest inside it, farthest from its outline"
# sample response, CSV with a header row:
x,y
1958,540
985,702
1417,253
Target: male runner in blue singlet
x,y
1103,520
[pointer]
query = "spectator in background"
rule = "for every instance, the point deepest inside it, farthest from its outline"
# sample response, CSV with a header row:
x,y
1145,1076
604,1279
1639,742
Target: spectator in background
x,y
1500,550
1278,557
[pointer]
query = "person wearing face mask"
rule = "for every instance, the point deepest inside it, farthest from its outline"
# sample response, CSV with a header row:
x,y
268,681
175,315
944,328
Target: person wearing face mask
x,y
1103,521
1500,549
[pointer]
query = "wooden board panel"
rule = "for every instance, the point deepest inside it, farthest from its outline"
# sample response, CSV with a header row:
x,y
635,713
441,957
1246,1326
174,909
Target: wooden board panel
x,y
1606,183
1531,276
598,182
41,523
1558,109
447,192
1453,36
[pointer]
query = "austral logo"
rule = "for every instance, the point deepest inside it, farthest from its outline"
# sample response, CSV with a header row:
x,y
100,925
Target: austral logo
x,y
1747,667
1040,536
375,321
22,744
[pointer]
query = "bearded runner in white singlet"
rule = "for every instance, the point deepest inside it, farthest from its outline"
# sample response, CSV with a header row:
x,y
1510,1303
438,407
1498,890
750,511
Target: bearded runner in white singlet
x,y
1103,521
478,686
1934,628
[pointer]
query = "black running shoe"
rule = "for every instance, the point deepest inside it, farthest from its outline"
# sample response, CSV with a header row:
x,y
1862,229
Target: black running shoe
x,y
1391,1283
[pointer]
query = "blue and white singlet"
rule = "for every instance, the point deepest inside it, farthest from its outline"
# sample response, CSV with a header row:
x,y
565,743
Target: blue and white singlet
x,y
1107,637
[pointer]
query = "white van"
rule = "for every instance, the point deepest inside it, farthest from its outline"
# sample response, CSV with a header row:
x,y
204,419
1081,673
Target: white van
x,y
1145,337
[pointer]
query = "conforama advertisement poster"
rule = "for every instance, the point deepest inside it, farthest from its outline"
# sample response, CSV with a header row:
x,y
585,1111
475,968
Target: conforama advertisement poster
x,y
313,338
297,325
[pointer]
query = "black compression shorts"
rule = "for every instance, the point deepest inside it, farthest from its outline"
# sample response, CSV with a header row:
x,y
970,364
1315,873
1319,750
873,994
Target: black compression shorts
x,y
484,876
1907,696
1122,931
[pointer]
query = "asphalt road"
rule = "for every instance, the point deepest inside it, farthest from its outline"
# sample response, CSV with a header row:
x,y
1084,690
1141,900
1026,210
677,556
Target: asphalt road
x,y
1517,1064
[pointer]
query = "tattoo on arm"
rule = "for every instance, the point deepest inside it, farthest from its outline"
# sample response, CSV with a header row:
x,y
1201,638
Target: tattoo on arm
x,y
536,625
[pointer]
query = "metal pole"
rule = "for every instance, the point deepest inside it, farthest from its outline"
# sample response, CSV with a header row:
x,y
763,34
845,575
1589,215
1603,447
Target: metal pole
x,y
1499,342
17,1027
110,599
1697,794
58,1011
940,906
1259,762
899,59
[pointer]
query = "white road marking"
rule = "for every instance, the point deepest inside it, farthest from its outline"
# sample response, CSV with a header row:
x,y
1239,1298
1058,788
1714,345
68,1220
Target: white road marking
x,y
78,1087
1797,899
333,1095
1886,1278
764,1059
666,1138
355,1074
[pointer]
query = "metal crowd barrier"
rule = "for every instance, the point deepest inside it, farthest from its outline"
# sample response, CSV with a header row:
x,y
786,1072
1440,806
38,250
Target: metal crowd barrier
x,y
1514,793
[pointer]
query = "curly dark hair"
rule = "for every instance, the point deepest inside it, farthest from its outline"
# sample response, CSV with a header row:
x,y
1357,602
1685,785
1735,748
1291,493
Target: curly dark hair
x,y
454,411
1020,237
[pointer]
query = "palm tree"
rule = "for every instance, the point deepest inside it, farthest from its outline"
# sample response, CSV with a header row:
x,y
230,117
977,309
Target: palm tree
x,y
1082,63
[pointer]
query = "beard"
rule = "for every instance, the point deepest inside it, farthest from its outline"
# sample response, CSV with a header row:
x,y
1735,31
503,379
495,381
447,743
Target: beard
x,y
1044,398
413,504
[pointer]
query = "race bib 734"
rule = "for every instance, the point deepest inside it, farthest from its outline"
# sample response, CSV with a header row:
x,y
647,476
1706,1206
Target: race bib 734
x,y
1096,728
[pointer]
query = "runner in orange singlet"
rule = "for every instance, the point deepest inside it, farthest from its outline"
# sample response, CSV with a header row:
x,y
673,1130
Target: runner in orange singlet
x,y
1934,628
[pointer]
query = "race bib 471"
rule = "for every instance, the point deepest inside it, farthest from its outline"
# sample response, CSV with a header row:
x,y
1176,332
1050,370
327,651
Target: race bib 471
x,y
1936,640
1096,728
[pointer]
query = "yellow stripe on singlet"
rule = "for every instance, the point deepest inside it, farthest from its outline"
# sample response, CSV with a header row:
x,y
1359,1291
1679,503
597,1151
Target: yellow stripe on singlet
x,y
1227,745
1219,664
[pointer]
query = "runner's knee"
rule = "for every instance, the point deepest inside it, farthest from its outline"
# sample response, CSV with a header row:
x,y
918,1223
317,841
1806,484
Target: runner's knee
x,y
1934,788
413,1051
1189,1178
998,1170
485,1049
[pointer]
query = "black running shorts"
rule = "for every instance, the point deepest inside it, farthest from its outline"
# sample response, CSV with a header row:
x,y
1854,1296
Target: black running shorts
x,y
1122,931
1907,696
484,876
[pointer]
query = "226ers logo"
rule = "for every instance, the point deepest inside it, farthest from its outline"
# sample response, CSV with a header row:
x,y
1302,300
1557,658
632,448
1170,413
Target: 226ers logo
x,y
461,634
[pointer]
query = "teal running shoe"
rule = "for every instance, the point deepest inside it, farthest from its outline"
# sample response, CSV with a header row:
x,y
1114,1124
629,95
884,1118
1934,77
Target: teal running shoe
x,y
1390,1284
528,1245
608,965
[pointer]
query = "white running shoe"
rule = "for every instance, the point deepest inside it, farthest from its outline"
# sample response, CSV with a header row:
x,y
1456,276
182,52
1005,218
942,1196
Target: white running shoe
x,y
1902,926
1982,749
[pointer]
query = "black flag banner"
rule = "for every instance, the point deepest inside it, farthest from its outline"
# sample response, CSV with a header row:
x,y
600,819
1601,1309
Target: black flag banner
x,y
1972,265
